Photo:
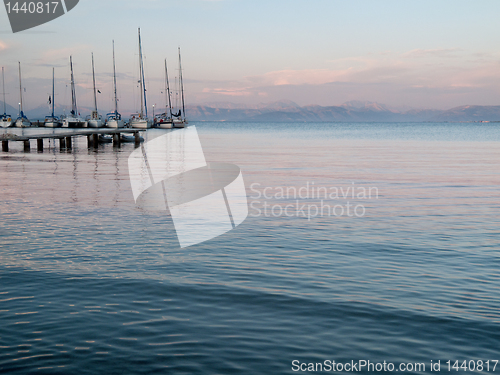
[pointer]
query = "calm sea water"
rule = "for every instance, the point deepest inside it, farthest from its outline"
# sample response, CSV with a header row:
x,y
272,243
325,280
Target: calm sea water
x,y
91,284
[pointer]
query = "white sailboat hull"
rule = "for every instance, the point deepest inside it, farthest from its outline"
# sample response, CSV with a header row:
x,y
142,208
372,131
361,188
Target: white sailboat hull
x,y
22,123
74,122
164,125
140,123
95,123
179,124
53,124
115,124
5,123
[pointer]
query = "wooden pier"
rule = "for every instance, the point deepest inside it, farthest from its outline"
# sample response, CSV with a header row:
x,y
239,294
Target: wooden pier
x,y
64,135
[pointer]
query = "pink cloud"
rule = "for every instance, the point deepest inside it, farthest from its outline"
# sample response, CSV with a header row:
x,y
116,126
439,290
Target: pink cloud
x,y
433,77
228,91
306,76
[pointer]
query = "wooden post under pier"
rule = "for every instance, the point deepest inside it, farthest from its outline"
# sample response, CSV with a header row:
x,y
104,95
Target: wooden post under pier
x,y
39,144
27,147
95,140
117,140
68,142
89,141
5,146
62,143
137,139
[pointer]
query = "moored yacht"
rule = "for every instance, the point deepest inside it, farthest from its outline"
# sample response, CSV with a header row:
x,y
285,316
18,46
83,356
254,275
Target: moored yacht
x,y
179,119
5,119
73,120
52,121
141,120
22,121
164,120
114,119
95,119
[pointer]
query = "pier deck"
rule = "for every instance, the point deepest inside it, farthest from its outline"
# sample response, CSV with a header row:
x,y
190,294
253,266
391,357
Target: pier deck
x,y
64,135
25,134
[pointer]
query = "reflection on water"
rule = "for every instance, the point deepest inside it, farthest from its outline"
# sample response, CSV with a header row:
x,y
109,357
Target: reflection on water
x,y
91,284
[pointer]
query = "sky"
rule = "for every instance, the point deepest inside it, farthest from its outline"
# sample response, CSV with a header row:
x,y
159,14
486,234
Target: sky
x,y
405,54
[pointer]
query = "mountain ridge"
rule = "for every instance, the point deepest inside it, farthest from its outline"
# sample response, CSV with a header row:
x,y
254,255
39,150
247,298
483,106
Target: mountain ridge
x,y
288,111
355,111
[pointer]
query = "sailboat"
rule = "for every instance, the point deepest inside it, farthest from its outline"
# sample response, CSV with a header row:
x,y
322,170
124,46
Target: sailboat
x,y
5,119
164,120
179,119
22,121
73,120
52,121
95,120
114,119
140,120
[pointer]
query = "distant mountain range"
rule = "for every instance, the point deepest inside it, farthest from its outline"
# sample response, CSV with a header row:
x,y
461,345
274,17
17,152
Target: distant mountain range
x,y
288,111
9,109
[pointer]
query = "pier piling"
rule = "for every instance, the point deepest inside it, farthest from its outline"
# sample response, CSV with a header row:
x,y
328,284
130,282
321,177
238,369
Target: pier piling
x,y
27,146
95,141
137,139
5,146
89,141
62,143
117,140
68,142
39,144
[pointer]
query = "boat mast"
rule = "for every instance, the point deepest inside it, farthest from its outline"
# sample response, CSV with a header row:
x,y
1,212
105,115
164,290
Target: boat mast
x,y
114,80
144,105
21,114
74,109
182,85
176,85
3,88
93,80
168,89
53,84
